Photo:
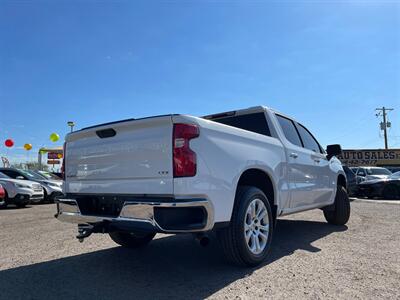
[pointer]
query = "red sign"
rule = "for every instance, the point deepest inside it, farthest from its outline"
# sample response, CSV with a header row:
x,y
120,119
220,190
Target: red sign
x,y
52,155
53,162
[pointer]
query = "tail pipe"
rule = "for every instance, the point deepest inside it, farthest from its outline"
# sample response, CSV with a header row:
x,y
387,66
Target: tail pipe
x,y
203,239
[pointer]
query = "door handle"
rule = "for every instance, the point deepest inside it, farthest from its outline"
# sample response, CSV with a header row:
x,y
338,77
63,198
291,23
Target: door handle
x,y
317,160
294,155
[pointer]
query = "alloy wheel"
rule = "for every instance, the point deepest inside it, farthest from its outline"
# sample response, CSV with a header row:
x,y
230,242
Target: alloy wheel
x,y
256,226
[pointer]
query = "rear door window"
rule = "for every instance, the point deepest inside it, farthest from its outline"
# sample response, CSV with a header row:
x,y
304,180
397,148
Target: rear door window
x,y
252,122
289,130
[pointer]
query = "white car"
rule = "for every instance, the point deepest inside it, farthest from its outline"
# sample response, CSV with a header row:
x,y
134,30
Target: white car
x,y
233,172
20,192
51,188
372,173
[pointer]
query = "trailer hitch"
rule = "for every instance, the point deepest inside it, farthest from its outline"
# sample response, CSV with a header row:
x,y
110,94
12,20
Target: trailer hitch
x,y
84,231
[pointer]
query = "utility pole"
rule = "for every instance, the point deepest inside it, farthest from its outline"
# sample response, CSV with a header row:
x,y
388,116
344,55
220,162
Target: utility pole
x,y
384,125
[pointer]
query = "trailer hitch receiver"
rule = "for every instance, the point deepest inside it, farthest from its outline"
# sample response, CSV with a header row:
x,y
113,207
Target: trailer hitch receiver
x,y
84,231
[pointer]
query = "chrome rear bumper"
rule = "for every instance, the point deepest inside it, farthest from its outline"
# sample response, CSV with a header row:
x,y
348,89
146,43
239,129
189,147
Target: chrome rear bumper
x,y
141,213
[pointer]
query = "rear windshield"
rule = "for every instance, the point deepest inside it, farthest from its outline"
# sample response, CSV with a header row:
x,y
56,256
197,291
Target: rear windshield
x,y
252,122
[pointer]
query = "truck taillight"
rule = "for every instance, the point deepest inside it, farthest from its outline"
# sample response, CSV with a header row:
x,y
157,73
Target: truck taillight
x,y
63,162
184,158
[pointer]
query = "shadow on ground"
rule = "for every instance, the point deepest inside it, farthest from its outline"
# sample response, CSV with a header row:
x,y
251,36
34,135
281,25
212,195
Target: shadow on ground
x,y
171,267
14,207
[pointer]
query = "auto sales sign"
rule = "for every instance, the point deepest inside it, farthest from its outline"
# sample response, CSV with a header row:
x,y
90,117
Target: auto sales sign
x,y
370,157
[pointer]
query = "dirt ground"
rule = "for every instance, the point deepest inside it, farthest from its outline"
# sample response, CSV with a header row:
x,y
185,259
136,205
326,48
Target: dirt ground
x,y
41,259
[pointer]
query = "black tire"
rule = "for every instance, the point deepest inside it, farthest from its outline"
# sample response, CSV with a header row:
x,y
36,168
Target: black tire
x,y
339,212
232,238
131,239
52,197
3,203
46,198
391,192
20,205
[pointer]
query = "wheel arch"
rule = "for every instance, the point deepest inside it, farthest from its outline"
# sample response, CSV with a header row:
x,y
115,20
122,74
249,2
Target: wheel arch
x,y
342,181
262,180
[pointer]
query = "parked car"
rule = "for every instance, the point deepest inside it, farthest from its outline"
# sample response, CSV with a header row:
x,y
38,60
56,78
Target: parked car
x,y
352,186
52,188
234,173
20,192
369,173
388,188
2,196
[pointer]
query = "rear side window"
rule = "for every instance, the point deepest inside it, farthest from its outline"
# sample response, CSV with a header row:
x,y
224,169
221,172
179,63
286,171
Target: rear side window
x,y
252,122
308,140
289,130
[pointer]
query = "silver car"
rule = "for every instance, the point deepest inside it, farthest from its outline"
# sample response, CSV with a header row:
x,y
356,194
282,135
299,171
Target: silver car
x,y
52,188
371,173
20,192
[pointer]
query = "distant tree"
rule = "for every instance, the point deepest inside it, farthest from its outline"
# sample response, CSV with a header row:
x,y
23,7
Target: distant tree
x,y
30,166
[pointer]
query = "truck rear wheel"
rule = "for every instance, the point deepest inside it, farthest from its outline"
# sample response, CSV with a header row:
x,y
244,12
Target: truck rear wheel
x,y
131,239
247,240
339,212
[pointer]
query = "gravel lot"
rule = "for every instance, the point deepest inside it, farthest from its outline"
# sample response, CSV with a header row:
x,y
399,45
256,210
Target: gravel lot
x,y
41,259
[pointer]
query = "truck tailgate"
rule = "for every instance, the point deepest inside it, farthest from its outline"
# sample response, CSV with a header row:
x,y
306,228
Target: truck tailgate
x,y
136,160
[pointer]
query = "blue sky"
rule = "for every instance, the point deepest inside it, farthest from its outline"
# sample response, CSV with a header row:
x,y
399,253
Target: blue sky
x,y
328,64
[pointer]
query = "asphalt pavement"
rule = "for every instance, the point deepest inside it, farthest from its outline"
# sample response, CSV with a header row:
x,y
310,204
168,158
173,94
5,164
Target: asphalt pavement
x,y
41,259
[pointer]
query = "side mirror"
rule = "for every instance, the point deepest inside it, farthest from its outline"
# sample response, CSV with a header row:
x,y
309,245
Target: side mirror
x,y
333,150
20,178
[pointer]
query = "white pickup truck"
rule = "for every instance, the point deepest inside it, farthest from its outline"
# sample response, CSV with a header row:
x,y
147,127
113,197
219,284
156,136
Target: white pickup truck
x,y
233,172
